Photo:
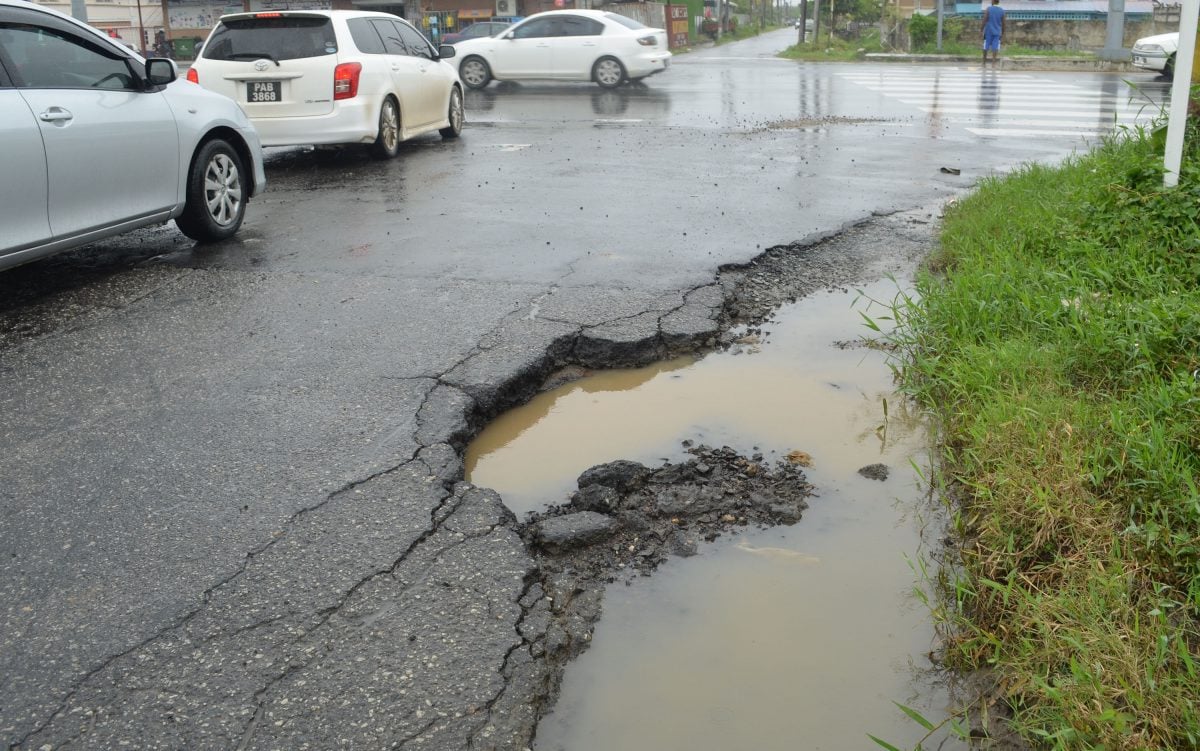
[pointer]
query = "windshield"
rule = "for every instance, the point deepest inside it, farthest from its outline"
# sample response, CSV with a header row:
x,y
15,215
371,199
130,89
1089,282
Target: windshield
x,y
625,21
278,38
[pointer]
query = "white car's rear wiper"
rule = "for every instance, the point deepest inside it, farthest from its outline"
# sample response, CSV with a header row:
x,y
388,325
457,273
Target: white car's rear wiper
x,y
252,56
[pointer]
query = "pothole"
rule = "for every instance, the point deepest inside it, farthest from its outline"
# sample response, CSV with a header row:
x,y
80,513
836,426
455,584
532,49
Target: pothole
x,y
777,632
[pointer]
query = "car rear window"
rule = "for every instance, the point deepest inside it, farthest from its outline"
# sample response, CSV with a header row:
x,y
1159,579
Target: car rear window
x,y
625,21
276,38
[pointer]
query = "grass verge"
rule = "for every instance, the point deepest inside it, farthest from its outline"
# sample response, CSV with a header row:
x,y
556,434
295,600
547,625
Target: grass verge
x,y
1056,338
836,49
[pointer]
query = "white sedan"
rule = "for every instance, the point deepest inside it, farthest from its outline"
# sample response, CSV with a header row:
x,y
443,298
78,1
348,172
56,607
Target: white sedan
x,y
1157,53
95,141
566,45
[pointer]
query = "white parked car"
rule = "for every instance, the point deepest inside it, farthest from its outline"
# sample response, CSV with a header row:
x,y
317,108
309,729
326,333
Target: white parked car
x,y
568,45
1157,53
332,77
95,141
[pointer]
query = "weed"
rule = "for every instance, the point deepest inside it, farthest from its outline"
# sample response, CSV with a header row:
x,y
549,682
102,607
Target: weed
x,y
1056,337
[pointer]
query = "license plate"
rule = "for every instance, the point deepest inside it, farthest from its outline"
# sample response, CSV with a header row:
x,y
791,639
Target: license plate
x,y
264,91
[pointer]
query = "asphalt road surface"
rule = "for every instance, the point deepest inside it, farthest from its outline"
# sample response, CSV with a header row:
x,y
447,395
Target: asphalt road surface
x,y
229,500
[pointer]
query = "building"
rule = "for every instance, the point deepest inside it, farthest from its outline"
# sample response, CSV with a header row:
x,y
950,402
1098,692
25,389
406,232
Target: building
x,y
187,22
134,22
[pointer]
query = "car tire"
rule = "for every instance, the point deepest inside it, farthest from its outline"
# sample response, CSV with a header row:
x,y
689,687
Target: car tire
x,y
475,72
455,115
387,139
1168,70
215,197
608,72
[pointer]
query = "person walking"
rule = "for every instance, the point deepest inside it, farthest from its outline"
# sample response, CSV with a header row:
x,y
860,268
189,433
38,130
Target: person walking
x,y
993,29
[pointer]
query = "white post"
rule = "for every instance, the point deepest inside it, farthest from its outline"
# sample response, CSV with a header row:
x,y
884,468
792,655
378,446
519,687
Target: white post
x,y
1173,158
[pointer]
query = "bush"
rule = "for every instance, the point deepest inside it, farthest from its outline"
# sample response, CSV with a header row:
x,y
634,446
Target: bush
x,y
922,30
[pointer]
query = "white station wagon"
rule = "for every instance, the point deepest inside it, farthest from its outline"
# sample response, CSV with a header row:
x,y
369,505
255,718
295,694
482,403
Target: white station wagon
x,y
328,77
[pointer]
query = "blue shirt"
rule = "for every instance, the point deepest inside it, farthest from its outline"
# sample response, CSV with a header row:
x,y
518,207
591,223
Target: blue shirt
x,y
995,14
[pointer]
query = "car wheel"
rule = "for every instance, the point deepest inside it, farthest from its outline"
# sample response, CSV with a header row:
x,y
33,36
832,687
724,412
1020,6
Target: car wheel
x,y
455,116
1169,69
387,142
215,202
608,72
475,72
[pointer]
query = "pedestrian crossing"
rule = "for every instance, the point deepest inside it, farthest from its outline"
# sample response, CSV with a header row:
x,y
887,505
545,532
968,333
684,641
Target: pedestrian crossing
x,y
1004,104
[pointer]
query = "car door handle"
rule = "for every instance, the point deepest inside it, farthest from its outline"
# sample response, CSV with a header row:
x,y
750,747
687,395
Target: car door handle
x,y
56,115
395,67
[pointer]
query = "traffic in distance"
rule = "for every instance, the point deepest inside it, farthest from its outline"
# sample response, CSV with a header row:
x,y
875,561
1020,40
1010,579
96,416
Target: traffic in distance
x,y
162,147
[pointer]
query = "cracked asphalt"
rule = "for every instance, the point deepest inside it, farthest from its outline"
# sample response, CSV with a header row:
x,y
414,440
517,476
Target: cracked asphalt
x,y
232,506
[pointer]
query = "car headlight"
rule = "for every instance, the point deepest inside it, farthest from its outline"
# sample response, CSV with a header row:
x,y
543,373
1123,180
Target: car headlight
x,y
648,41
1150,49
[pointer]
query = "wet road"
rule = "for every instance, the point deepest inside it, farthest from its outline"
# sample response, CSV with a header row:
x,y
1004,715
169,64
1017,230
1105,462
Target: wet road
x,y
219,463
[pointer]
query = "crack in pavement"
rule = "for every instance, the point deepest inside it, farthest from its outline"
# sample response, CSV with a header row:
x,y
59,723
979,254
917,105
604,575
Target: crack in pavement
x,y
325,614
205,599
443,396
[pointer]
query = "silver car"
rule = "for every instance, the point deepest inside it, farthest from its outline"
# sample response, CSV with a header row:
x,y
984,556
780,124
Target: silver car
x,y
95,141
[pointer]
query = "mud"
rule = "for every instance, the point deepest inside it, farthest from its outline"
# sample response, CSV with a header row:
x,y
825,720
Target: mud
x,y
665,511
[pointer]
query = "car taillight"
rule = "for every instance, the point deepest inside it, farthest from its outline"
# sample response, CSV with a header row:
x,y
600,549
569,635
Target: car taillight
x,y
649,41
345,80
193,76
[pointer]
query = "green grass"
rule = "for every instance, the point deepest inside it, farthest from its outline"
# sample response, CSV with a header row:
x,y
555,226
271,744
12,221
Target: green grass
x,y
1056,338
839,50
975,48
834,49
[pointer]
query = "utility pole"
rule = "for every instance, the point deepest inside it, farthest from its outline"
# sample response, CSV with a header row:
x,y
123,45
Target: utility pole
x,y
816,21
803,21
141,31
79,10
1114,38
941,6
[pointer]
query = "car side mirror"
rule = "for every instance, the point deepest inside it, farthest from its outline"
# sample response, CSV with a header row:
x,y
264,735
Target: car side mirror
x,y
508,35
161,71
446,51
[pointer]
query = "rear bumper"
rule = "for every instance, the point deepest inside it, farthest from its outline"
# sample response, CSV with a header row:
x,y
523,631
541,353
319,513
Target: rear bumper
x,y
351,121
648,64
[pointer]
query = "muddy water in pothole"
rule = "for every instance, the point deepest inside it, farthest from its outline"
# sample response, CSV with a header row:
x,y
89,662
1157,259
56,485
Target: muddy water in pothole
x,y
789,638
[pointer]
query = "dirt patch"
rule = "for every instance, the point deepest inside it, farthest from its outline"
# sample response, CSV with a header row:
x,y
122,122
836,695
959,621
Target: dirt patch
x,y
804,123
626,518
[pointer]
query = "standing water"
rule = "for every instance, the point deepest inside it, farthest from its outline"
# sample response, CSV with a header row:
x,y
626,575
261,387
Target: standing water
x,y
792,638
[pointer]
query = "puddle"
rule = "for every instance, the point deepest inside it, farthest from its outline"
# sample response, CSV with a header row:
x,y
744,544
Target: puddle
x,y
786,638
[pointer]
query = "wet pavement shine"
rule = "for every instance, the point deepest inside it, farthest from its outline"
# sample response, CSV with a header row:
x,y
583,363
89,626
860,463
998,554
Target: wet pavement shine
x,y
793,637
229,470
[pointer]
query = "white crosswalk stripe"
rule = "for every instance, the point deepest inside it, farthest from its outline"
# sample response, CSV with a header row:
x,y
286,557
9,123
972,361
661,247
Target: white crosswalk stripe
x,y
1001,105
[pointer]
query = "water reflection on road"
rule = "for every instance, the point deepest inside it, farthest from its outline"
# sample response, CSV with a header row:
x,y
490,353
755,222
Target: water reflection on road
x,y
789,638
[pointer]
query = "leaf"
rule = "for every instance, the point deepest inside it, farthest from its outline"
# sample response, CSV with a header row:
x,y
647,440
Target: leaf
x,y
869,323
883,743
915,716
